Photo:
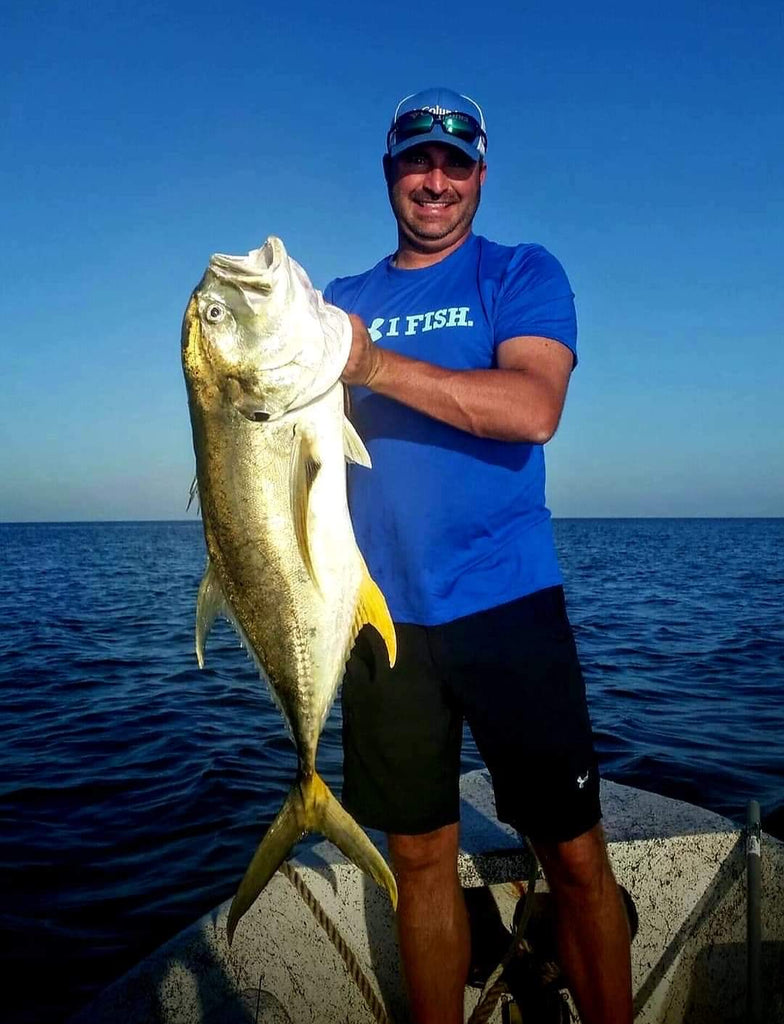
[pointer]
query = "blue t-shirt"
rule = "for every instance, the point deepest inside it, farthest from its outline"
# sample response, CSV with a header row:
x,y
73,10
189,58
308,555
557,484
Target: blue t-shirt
x,y
449,523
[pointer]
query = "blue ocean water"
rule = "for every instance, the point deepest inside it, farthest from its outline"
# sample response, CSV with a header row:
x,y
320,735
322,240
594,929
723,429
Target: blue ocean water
x,y
134,788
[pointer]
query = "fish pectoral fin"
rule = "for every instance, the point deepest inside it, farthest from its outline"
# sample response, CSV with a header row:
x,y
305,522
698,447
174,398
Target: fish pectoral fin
x,y
372,608
193,495
353,446
309,807
304,468
209,605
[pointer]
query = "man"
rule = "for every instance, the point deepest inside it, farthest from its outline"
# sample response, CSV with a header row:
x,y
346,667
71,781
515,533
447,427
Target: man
x,y
461,356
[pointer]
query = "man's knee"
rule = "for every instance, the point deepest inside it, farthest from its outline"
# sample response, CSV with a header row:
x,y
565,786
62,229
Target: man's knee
x,y
579,865
432,852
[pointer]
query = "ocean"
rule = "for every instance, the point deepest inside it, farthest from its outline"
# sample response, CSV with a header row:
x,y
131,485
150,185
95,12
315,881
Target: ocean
x,y
134,787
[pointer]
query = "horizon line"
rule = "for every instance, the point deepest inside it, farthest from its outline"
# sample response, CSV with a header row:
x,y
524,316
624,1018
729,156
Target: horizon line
x,y
197,519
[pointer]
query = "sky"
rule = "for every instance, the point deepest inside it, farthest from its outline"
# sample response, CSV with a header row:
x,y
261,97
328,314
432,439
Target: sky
x,y
642,143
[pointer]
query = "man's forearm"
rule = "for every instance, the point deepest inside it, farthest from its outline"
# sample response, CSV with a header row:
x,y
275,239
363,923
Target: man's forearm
x,y
508,405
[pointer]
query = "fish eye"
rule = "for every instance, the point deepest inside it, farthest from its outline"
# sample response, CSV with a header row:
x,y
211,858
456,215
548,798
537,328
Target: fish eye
x,y
215,313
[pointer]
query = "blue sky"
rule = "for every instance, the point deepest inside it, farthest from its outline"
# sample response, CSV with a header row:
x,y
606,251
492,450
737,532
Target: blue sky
x,y
641,143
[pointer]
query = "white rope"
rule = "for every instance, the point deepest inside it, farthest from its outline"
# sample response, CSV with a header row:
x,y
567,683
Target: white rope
x,y
495,986
345,951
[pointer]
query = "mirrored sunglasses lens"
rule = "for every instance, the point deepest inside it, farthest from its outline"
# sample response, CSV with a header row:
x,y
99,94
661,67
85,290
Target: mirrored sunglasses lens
x,y
462,127
413,124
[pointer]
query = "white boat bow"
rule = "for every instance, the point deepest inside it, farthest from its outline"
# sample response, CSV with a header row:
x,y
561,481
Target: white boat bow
x,y
319,943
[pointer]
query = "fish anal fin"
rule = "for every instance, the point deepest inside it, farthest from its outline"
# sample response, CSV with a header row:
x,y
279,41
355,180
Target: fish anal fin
x,y
372,608
309,807
353,446
305,465
209,604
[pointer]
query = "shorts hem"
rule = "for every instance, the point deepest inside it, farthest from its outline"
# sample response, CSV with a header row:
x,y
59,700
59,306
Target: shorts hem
x,y
418,828
554,834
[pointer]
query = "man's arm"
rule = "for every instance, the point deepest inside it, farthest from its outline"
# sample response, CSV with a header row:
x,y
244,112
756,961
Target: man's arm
x,y
521,400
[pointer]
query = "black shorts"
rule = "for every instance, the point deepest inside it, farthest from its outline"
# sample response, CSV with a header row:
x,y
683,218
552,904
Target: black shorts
x,y
512,672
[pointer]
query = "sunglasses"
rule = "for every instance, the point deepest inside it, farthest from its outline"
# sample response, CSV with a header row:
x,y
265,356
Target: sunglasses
x,y
421,122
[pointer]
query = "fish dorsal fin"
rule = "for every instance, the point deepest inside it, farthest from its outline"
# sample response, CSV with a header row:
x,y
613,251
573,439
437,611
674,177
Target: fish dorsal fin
x,y
353,447
372,608
304,468
209,605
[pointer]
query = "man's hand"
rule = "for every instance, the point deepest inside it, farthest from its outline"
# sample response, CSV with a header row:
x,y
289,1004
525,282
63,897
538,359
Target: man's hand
x,y
364,359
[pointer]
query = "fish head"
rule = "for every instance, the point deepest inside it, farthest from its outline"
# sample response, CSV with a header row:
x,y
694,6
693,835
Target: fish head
x,y
259,336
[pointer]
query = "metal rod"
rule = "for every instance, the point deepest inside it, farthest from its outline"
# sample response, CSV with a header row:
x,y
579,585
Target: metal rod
x,y
753,916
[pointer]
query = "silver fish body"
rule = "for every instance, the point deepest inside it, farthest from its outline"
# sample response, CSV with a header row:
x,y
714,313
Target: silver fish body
x,y
262,357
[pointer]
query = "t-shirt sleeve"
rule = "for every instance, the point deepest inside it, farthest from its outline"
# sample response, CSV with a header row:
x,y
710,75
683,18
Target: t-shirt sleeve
x,y
328,293
535,298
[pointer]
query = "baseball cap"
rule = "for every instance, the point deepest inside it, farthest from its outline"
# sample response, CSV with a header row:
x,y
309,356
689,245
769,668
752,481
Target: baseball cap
x,y
423,117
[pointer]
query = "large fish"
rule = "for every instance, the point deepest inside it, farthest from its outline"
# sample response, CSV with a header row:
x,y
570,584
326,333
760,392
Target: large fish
x,y
262,355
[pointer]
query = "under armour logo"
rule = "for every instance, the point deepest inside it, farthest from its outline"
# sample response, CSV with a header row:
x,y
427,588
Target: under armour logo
x,y
582,779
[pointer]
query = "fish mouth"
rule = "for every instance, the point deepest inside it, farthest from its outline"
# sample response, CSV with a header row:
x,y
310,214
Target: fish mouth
x,y
260,280
254,272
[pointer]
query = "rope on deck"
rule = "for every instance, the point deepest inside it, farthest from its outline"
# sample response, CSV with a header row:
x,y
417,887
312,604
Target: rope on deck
x,y
345,951
495,986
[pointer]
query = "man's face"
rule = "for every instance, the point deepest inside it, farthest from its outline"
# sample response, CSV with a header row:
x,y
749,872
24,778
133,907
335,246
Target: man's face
x,y
434,191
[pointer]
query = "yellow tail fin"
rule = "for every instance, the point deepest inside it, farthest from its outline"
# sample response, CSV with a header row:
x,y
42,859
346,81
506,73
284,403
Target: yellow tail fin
x,y
309,807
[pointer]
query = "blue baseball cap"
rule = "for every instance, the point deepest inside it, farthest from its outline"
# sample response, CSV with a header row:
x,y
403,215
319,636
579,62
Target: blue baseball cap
x,y
466,131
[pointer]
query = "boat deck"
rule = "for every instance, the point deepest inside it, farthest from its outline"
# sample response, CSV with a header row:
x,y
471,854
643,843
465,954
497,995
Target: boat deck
x,y
319,943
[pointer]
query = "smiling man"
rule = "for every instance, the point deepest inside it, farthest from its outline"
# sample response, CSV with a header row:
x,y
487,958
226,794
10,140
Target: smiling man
x,y
461,356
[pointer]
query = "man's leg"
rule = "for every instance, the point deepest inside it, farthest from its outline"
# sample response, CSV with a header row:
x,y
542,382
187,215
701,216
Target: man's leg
x,y
592,927
517,675
401,767
432,924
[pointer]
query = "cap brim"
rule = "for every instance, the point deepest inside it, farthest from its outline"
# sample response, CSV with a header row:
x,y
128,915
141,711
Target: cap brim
x,y
436,134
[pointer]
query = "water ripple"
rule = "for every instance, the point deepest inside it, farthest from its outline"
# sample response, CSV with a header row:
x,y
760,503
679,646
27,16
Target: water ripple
x,y
134,787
